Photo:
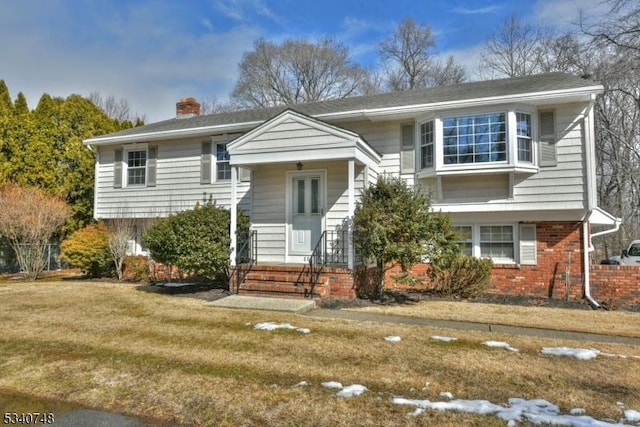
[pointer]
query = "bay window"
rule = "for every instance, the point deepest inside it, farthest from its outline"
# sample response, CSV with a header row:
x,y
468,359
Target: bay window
x,y
525,143
426,145
474,139
462,143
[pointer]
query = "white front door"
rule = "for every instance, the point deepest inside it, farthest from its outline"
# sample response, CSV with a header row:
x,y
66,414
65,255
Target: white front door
x,y
307,211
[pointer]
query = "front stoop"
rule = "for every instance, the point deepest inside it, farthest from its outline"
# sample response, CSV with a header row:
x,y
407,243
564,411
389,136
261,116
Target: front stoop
x,y
294,281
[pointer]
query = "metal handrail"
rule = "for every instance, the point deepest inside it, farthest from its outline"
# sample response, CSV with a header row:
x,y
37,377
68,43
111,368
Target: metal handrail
x,y
246,256
317,260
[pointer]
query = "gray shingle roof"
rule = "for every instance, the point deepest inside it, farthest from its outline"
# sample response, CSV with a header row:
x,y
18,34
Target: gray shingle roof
x,y
459,92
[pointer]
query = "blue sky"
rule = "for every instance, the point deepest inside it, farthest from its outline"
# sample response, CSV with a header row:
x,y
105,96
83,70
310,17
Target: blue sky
x,y
154,52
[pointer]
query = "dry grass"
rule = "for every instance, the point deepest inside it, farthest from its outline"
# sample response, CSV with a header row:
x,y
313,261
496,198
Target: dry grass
x,y
622,323
115,347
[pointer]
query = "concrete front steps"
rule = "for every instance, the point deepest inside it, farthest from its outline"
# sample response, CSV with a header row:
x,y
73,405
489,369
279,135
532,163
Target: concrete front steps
x,y
294,281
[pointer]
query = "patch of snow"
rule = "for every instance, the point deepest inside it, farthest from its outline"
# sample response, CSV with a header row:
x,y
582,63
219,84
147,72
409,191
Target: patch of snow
x,y
443,339
578,353
535,411
302,384
500,344
446,394
272,326
332,384
352,390
631,415
393,338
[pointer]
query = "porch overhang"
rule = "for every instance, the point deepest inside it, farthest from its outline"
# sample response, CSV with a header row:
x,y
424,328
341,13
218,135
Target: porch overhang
x,y
295,137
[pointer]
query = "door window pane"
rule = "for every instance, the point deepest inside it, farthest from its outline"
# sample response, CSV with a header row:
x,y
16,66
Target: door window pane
x,y
300,190
315,195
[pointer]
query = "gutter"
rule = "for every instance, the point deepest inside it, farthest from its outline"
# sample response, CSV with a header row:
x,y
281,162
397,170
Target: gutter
x,y
365,113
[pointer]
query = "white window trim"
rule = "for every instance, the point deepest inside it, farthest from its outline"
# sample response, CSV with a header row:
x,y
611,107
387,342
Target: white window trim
x,y
125,164
511,164
475,240
214,163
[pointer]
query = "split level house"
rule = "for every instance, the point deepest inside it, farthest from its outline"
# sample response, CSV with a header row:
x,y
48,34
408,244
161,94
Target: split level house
x,y
511,160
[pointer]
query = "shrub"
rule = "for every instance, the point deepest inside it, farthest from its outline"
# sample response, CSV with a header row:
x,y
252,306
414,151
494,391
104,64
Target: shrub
x,y
136,268
87,249
28,220
461,276
395,223
196,241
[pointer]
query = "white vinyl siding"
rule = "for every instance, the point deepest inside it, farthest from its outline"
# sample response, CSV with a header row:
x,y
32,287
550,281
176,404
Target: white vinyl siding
x,y
269,211
269,203
178,184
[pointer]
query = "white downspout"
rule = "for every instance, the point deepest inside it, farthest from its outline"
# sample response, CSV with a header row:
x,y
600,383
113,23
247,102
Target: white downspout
x,y
590,248
587,273
589,139
588,129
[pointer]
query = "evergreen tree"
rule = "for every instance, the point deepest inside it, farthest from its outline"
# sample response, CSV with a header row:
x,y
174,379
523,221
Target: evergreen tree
x,y
20,106
43,148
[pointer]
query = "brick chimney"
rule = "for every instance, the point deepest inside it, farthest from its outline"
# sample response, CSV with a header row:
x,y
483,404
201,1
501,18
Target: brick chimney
x,y
187,107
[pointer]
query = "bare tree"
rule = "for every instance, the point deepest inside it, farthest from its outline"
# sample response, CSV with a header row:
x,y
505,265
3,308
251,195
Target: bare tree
x,y
120,232
28,220
514,50
616,44
213,106
409,61
115,108
447,73
297,71
619,28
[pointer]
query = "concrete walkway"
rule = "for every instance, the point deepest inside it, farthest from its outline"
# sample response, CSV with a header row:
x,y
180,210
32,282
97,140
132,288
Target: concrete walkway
x,y
454,324
309,308
265,303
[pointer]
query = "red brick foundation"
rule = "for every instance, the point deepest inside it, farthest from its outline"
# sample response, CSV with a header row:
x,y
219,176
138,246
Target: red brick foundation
x,y
615,285
558,273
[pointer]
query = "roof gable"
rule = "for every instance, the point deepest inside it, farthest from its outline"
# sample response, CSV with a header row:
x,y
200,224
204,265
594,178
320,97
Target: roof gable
x,y
292,130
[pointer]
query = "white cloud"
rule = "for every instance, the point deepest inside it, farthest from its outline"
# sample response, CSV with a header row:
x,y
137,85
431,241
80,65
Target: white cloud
x,y
244,10
566,13
140,54
477,11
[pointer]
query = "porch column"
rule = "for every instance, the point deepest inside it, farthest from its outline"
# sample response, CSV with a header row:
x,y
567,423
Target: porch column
x,y
351,207
234,213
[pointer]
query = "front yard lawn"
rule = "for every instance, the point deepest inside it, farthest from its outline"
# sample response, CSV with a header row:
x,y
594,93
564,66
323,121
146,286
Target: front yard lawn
x,y
115,347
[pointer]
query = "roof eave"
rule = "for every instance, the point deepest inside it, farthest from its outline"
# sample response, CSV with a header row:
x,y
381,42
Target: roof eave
x,y
367,113
171,134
